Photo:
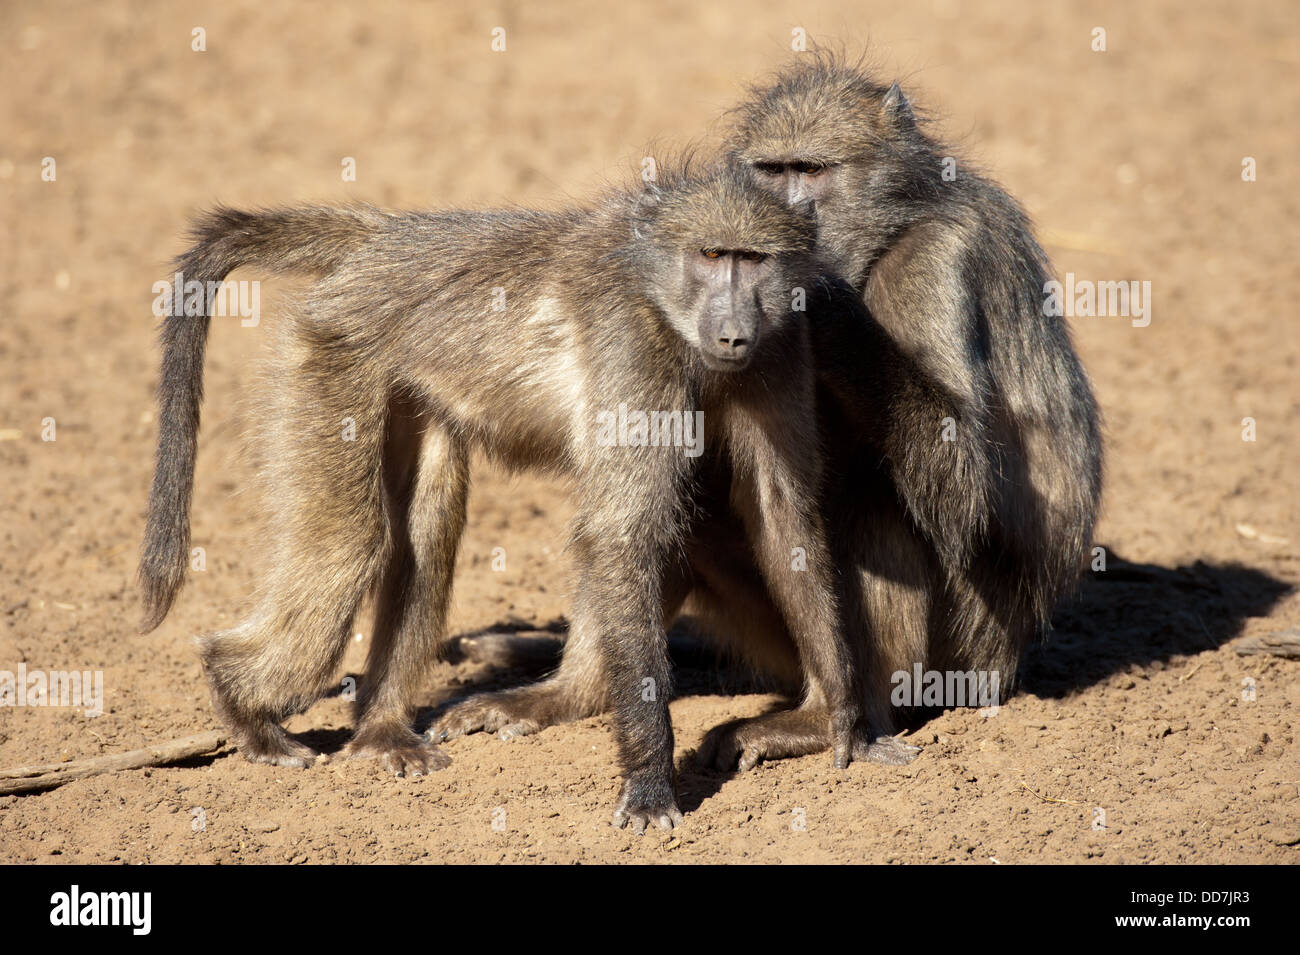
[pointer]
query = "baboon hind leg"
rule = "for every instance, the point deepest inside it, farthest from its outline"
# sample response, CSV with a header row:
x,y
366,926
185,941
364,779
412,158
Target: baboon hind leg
x,y
576,691
427,478
885,605
331,541
743,744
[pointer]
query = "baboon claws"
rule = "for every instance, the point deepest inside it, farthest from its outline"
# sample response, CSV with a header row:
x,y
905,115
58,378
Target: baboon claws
x,y
886,750
647,800
410,756
284,760
269,743
518,730
640,818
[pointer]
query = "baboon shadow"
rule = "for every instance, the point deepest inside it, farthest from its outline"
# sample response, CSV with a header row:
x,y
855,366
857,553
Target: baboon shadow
x,y
1131,615
327,741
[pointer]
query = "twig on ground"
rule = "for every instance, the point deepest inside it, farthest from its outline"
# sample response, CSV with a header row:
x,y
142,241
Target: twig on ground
x,y
27,779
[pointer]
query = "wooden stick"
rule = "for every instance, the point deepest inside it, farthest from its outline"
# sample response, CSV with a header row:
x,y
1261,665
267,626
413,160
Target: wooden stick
x,y
1065,802
29,779
1282,643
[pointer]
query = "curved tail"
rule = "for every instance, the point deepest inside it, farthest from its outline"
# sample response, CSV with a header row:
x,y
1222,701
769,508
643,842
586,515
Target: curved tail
x,y
311,240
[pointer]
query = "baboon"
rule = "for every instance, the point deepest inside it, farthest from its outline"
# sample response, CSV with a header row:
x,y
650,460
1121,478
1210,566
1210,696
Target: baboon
x,y
963,441
429,334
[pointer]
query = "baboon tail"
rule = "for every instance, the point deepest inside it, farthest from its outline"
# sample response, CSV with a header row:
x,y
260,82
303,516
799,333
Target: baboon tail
x,y
309,240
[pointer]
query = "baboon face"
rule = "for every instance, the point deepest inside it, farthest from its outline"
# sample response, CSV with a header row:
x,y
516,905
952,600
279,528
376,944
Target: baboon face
x,y
825,135
725,259
725,287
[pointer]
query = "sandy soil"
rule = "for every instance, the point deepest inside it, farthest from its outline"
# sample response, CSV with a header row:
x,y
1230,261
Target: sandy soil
x,y
1130,161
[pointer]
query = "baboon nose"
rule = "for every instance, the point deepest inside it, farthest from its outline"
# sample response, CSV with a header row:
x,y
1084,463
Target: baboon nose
x,y
733,338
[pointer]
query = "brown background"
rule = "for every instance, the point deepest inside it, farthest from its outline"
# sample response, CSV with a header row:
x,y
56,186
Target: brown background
x,y
1129,161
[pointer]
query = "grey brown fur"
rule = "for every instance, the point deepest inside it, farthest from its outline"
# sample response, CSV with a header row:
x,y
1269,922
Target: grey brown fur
x,y
962,547
675,298
951,554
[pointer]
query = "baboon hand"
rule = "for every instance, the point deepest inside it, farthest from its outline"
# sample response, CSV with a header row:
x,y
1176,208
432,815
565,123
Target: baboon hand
x,y
733,747
402,754
646,800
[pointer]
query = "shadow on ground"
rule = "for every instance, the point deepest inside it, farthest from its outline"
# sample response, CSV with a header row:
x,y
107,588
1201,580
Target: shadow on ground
x,y
1133,614
1129,615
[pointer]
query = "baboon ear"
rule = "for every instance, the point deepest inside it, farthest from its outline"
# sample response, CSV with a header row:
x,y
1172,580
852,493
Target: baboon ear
x,y
896,107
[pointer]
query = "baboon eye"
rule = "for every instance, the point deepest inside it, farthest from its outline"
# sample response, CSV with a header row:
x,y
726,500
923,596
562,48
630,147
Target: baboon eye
x,y
750,256
810,168
710,253
770,168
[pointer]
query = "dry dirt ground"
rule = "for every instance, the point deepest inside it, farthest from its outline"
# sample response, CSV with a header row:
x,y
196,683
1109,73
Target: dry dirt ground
x,y
1130,161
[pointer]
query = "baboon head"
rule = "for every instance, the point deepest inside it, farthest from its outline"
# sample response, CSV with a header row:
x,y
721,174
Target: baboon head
x,y
722,259
823,132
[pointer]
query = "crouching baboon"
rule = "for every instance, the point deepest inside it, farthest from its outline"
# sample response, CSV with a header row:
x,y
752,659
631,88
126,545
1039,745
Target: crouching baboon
x,y
520,333
967,450
963,442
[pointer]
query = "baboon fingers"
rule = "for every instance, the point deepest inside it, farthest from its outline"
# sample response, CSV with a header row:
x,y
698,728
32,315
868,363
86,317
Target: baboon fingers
x,y
518,729
639,819
399,751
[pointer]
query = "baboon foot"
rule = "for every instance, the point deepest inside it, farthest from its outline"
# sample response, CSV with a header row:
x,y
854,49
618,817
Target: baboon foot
x,y
255,727
399,751
511,713
886,750
647,801
267,742
743,744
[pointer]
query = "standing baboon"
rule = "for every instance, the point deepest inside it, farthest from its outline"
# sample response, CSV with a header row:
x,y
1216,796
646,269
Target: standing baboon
x,y
521,333
964,450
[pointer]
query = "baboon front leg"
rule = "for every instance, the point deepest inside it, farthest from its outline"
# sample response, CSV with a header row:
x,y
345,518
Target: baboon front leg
x,y
330,542
617,595
777,483
427,473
